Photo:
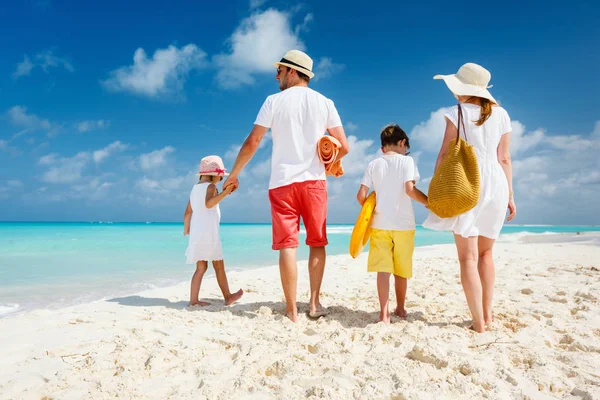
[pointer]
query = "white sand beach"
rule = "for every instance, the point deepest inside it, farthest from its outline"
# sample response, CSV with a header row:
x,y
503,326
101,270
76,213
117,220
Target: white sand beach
x,y
545,342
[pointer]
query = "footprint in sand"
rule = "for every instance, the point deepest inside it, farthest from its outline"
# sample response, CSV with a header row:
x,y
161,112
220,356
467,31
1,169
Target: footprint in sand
x,y
526,291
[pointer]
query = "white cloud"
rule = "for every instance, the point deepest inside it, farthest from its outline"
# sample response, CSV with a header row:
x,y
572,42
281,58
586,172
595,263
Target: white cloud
x,y
308,18
45,60
66,169
350,127
161,186
87,126
325,68
520,141
102,154
256,44
23,68
15,183
19,117
256,3
156,158
163,74
428,135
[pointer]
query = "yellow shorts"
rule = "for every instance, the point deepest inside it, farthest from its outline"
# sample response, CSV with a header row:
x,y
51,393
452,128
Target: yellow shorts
x,y
392,251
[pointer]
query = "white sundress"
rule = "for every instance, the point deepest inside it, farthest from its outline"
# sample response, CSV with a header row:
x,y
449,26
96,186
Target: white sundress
x,y
204,241
487,218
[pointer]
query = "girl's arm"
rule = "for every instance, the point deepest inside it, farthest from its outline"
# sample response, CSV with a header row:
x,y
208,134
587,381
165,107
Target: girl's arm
x,y
361,196
506,163
213,197
187,217
448,136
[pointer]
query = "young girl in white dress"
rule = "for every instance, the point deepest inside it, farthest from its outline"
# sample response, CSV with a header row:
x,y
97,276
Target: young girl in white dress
x,y
488,130
201,223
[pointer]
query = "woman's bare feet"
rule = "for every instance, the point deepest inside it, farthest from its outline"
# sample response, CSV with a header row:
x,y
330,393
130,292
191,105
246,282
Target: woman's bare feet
x,y
401,313
292,316
199,304
479,329
385,318
234,297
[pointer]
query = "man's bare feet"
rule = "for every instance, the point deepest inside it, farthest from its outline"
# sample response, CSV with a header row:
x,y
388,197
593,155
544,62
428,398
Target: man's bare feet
x,y
317,312
234,297
198,304
384,318
401,313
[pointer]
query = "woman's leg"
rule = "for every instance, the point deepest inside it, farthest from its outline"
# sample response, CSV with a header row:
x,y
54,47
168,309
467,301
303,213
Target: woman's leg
x,y
201,267
383,289
469,277
487,275
230,298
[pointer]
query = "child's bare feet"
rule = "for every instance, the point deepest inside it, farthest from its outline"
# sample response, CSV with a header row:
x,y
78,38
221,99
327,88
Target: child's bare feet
x,y
199,304
384,318
400,313
234,297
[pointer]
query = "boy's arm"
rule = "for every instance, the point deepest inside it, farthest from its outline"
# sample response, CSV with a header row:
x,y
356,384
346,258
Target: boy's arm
x,y
361,196
213,197
187,217
414,193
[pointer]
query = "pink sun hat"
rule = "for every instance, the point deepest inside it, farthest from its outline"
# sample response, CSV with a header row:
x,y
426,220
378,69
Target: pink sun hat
x,y
212,165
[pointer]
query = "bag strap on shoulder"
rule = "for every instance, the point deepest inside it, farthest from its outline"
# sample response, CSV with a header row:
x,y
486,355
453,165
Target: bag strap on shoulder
x,y
461,121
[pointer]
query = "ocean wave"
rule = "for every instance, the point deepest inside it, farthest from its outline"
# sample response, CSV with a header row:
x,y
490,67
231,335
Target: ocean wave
x,y
8,308
515,237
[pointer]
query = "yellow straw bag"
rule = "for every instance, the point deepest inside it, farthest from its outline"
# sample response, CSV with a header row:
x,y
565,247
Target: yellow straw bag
x,y
455,186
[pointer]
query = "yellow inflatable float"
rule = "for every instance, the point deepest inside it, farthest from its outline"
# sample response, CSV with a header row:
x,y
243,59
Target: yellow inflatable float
x,y
362,229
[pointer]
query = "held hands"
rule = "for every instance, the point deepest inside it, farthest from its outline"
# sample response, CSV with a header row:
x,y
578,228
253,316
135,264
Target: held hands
x,y
227,190
231,182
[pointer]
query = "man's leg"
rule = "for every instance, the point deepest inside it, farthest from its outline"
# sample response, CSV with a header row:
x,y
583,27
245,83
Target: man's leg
x,y
288,269
316,268
313,195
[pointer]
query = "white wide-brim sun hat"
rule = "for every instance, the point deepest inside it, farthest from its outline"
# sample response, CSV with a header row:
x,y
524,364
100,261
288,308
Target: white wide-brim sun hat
x,y
470,80
298,60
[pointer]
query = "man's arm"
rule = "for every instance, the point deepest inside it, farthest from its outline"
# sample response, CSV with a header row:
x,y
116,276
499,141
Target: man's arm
x,y
245,155
339,134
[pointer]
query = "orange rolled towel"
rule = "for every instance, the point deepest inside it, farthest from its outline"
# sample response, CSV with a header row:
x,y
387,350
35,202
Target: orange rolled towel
x,y
328,149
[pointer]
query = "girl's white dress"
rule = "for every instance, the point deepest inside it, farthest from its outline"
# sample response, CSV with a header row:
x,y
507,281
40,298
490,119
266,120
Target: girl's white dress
x,y
204,241
487,218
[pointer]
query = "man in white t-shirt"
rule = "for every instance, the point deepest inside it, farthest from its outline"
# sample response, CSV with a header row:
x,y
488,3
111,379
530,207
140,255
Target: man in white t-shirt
x,y
298,117
393,177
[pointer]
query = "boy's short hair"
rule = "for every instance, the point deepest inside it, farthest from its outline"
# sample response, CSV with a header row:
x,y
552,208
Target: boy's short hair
x,y
392,134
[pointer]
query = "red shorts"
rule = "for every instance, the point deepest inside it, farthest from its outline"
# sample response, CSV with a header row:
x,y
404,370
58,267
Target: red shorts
x,y
302,199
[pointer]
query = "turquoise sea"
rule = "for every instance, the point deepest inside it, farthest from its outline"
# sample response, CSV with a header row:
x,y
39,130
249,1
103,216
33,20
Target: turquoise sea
x,y
51,265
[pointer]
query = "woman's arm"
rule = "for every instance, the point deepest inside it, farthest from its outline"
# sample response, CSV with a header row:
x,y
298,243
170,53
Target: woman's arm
x,y
213,197
450,134
187,217
361,196
506,163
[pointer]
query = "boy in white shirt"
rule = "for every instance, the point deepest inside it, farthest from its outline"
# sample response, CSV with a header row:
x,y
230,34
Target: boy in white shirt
x,y
393,177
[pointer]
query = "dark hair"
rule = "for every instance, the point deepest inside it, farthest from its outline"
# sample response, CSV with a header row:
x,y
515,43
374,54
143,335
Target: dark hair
x,y
303,76
392,134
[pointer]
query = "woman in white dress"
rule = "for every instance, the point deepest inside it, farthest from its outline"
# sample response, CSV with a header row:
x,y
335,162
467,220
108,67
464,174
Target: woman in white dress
x,y
201,222
488,130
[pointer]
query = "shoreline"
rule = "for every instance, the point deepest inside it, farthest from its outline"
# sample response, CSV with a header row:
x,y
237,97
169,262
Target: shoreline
x,y
13,309
544,343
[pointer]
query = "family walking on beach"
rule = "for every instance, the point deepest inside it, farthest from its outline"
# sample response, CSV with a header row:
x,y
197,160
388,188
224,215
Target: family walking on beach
x,y
298,118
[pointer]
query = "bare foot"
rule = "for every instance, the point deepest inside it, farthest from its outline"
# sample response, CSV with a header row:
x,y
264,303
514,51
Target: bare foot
x,y
292,316
234,297
478,330
400,313
317,312
198,304
384,318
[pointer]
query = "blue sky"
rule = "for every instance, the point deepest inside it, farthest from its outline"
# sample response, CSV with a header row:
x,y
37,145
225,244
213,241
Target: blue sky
x,y
107,107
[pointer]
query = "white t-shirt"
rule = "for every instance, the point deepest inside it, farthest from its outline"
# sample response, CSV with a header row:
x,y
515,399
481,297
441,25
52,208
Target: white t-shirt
x,y
387,175
298,118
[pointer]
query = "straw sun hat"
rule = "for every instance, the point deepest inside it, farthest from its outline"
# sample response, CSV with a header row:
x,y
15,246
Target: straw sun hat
x,y
295,59
470,80
212,165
